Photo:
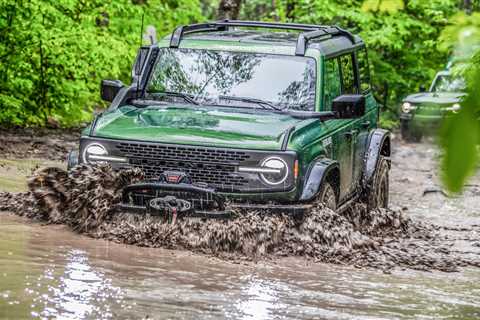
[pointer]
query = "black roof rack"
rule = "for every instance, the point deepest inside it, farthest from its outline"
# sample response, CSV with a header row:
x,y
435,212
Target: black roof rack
x,y
310,31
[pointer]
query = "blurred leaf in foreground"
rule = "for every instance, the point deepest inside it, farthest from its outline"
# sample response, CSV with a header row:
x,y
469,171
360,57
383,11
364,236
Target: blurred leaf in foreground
x,y
460,134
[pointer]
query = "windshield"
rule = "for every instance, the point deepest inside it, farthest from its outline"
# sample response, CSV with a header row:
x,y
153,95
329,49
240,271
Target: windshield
x,y
235,79
447,83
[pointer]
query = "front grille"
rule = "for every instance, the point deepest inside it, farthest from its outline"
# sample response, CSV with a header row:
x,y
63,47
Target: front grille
x,y
216,167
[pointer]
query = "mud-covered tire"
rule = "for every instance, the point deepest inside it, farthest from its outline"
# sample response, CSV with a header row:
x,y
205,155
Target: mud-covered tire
x,y
408,134
378,192
327,196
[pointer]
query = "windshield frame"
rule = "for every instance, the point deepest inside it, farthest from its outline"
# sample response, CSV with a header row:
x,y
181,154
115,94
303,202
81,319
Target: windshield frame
x,y
450,78
316,80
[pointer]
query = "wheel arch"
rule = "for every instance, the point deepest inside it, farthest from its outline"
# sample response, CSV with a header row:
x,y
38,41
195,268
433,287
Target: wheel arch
x,y
320,171
379,144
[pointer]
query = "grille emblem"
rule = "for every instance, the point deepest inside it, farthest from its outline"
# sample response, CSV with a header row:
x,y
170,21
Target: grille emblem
x,y
175,177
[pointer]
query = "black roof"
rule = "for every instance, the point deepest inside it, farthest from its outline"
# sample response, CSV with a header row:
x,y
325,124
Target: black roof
x,y
330,40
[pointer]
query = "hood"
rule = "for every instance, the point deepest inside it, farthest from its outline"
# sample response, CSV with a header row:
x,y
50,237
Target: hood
x,y
197,125
440,98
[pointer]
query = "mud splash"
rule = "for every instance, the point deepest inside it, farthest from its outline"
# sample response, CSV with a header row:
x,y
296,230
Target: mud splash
x,y
384,239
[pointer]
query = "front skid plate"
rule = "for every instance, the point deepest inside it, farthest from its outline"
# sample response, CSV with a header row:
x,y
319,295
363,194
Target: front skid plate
x,y
223,210
230,211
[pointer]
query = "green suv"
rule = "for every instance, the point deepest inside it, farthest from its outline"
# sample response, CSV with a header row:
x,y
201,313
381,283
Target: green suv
x,y
423,112
229,114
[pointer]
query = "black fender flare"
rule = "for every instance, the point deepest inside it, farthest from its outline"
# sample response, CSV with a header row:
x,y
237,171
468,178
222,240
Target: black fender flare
x,y
316,175
379,143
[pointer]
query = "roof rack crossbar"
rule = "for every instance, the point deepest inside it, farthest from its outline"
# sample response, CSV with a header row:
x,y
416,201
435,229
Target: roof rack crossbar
x,y
193,28
305,37
310,32
270,25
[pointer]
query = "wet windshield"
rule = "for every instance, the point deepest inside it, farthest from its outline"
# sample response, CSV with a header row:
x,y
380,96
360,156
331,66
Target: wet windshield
x,y
235,79
448,83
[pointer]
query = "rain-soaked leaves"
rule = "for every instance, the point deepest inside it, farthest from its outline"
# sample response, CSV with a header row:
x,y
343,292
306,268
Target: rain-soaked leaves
x,y
460,135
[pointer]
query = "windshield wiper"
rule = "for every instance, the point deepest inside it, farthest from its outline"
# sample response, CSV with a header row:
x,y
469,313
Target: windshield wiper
x,y
185,96
259,102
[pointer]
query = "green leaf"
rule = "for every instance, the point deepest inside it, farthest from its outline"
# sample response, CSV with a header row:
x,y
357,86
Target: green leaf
x,y
459,138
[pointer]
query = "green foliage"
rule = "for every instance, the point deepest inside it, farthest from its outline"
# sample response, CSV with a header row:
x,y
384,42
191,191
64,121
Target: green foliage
x,y
390,6
54,53
460,134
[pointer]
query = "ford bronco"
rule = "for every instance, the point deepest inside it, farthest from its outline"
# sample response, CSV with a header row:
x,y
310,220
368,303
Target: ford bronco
x,y
423,112
241,114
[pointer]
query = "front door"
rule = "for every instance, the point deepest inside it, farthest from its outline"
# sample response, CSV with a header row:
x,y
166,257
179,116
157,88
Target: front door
x,y
340,79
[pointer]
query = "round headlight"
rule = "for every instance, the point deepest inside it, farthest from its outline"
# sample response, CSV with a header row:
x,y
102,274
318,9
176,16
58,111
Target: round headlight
x,y
94,149
278,173
455,108
407,107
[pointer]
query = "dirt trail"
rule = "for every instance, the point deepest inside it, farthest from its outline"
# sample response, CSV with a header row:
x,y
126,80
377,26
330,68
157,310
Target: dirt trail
x,y
41,144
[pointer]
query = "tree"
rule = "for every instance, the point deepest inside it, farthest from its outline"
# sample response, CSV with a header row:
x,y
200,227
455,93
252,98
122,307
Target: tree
x,y
229,9
54,53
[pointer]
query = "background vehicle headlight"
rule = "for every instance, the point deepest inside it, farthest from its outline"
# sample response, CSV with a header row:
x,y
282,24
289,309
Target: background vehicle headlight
x,y
279,171
455,108
407,107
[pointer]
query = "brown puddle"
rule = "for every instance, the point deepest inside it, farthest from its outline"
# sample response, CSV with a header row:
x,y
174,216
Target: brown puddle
x,y
48,271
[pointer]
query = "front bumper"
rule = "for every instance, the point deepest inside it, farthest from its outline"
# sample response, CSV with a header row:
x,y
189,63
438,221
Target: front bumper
x,y
422,121
203,202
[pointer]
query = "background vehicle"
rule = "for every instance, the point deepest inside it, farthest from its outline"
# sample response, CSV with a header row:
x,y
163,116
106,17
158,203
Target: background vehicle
x,y
219,116
422,112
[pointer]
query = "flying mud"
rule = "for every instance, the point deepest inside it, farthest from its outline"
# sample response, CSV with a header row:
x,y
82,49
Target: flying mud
x,y
83,199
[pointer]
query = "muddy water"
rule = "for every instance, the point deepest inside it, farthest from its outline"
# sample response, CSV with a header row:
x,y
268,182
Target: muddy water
x,y
51,272
48,271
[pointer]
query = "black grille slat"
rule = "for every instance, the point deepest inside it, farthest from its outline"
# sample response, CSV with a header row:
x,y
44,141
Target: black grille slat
x,y
215,167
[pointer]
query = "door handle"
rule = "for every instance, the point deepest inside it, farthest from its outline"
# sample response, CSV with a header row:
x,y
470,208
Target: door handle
x,y
351,133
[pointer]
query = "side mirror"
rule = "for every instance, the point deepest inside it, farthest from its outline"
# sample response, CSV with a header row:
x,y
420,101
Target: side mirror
x,y
349,106
110,88
422,88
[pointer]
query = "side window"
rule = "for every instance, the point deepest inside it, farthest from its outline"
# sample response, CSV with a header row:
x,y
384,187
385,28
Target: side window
x,y
363,70
332,82
348,74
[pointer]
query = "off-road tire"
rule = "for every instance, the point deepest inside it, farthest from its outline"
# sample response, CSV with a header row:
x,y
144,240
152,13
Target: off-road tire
x,y
378,191
327,196
408,134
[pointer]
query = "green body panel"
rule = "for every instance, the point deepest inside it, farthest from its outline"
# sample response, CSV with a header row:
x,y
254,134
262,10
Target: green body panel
x,y
194,125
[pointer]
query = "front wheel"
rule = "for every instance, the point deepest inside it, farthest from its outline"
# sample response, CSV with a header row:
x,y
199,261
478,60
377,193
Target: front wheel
x,y
378,192
408,133
327,196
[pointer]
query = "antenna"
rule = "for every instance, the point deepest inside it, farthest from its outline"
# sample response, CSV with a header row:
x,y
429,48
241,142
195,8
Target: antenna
x,y
140,46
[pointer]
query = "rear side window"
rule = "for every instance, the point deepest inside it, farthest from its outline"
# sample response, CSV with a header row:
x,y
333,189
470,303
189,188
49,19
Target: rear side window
x,y
348,74
333,86
363,70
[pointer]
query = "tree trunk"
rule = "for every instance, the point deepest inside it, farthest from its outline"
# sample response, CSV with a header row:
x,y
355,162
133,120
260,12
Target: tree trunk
x,y
229,9
290,10
467,5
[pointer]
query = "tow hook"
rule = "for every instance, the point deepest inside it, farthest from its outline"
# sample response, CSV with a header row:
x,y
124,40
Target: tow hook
x,y
170,206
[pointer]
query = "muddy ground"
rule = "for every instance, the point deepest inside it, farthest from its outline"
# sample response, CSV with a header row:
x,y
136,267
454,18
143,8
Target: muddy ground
x,y
69,275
